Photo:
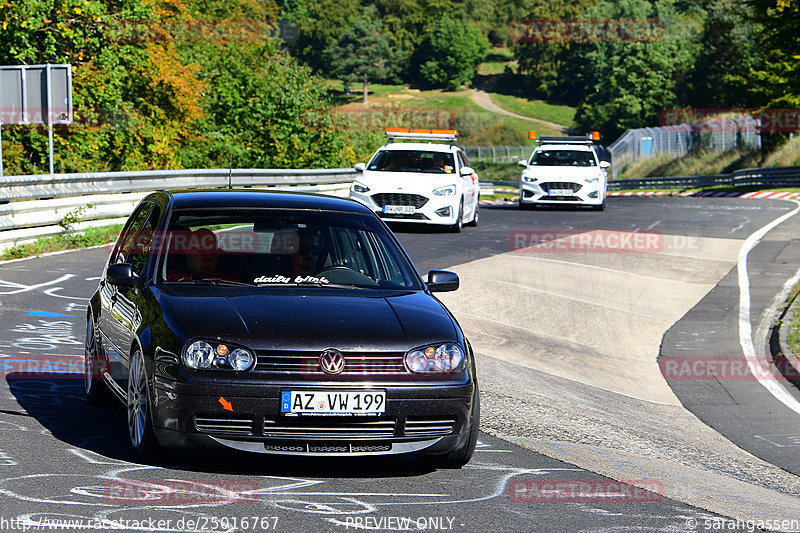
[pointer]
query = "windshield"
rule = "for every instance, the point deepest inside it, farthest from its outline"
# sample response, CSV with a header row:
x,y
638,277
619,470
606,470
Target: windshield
x,y
282,248
412,161
560,158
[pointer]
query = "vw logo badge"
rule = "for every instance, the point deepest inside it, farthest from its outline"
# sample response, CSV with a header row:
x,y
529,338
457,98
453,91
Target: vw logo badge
x,y
331,361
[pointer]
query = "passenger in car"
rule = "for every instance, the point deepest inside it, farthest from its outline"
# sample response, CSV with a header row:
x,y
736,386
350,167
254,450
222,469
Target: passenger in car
x,y
201,259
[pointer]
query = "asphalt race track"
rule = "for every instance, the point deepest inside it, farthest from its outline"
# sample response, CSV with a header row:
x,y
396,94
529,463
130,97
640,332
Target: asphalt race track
x,y
561,408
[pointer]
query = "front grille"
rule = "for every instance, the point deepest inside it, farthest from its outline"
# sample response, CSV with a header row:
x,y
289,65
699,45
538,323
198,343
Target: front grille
x,y
574,187
399,199
415,216
306,364
327,447
429,428
219,425
325,429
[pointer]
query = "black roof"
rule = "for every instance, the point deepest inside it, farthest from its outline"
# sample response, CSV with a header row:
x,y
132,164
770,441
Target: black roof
x,y
214,198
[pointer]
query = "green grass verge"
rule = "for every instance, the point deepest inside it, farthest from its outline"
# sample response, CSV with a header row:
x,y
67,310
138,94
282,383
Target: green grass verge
x,y
64,241
700,163
560,114
488,171
793,335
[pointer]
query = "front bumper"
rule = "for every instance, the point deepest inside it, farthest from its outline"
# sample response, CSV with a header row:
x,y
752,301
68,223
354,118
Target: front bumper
x,y
442,210
582,193
418,418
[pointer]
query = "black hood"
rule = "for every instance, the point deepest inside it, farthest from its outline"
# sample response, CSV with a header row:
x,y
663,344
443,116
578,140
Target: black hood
x,y
349,320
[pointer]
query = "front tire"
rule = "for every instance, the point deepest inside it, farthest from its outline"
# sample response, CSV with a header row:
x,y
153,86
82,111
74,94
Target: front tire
x,y
140,418
459,223
93,386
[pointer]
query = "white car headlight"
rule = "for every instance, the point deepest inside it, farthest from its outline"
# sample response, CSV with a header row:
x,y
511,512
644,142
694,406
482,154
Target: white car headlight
x,y
447,190
359,187
529,179
211,355
437,358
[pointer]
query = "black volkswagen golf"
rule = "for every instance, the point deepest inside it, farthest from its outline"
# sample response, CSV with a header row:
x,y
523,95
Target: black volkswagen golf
x,y
278,323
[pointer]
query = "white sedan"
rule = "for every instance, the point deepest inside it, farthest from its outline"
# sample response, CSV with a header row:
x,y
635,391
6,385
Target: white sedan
x,y
565,170
420,182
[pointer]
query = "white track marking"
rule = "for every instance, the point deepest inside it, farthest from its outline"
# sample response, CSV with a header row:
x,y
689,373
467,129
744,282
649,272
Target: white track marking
x,y
745,328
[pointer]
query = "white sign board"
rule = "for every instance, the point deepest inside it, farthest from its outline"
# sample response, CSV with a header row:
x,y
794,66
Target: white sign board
x,y
28,92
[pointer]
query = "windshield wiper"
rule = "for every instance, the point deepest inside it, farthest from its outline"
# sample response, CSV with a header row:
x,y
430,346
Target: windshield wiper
x,y
220,281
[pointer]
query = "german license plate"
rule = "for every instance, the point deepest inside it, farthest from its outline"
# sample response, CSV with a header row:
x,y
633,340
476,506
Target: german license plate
x,y
399,209
560,192
333,402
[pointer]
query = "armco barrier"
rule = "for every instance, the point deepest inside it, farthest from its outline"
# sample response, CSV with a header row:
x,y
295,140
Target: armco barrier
x,y
34,205
749,177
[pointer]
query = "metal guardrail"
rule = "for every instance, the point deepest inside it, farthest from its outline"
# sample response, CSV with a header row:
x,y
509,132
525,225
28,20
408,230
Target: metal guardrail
x,y
749,177
33,205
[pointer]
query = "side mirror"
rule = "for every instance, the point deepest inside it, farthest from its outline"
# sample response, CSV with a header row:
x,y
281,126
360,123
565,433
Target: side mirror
x,y
523,162
360,167
467,171
604,164
442,281
121,274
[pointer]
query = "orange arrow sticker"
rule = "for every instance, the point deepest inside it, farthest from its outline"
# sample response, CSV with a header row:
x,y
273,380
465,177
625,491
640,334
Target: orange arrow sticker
x,y
225,404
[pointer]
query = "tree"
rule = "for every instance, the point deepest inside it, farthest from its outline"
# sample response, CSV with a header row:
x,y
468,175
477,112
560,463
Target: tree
x,y
313,26
629,83
450,53
363,52
728,48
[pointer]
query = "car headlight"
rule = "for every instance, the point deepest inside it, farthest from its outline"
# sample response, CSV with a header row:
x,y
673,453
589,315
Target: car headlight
x,y
210,355
447,357
529,179
359,187
447,190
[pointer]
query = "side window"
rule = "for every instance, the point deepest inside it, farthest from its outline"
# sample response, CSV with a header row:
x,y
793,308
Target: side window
x,y
137,239
126,239
462,158
143,244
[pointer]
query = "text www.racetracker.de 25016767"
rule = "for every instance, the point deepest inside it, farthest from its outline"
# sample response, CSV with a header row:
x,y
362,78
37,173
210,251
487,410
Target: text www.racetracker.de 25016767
x,y
198,524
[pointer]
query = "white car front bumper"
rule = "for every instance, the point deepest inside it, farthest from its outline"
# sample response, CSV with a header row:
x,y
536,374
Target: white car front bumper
x,y
428,209
562,192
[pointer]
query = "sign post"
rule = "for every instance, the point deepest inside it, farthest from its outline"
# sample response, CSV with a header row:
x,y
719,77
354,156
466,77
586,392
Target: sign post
x,y
36,94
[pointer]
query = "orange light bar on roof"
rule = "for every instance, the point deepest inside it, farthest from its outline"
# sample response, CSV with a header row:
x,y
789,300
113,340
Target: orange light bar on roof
x,y
595,135
424,131
531,134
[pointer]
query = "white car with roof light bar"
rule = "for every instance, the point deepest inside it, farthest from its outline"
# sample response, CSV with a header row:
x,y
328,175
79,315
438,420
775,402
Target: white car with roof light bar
x,y
569,170
419,176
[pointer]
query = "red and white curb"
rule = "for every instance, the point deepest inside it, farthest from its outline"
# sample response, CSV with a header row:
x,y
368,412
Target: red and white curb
x,y
773,195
